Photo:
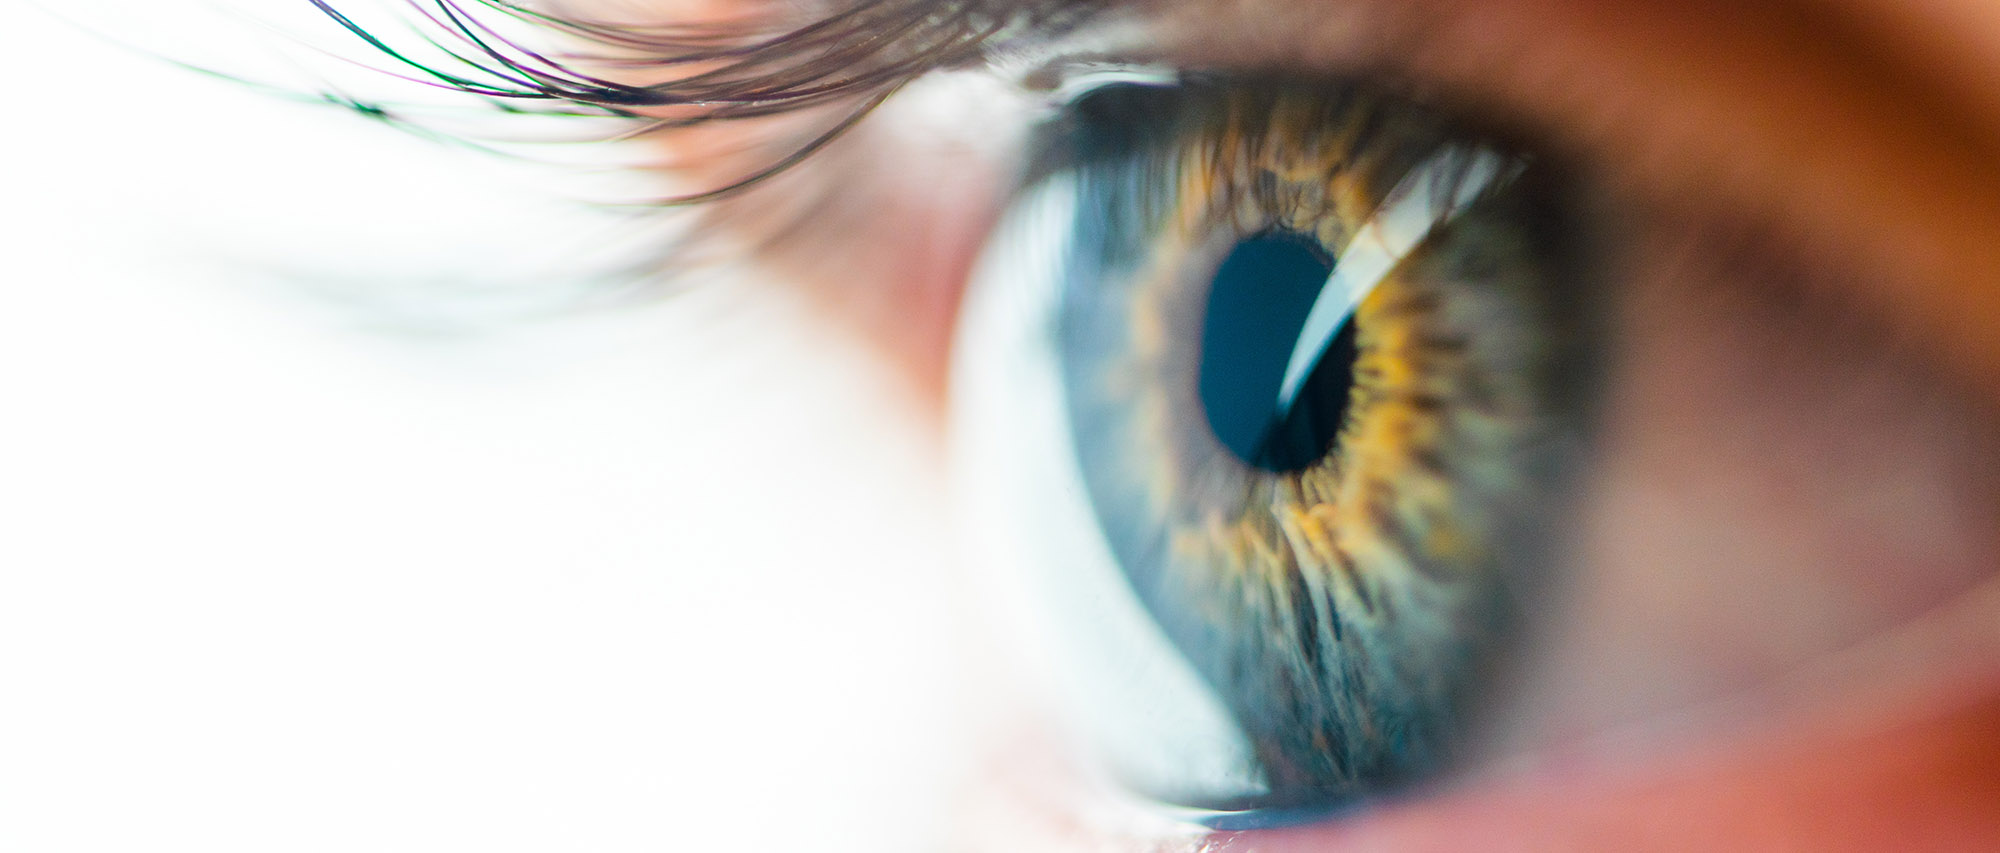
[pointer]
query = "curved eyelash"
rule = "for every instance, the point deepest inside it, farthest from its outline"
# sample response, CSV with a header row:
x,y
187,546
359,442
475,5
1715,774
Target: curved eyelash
x,y
743,68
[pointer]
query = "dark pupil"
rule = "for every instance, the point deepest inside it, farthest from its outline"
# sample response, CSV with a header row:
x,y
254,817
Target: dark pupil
x,y
1257,307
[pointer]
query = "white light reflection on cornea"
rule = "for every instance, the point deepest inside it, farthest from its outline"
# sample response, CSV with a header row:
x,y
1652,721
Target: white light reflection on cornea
x,y
1432,195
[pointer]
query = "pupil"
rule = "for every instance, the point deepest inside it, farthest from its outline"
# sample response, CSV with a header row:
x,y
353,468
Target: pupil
x,y
1257,307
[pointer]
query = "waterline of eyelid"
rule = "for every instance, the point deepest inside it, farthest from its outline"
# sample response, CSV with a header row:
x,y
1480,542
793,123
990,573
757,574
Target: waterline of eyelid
x,y
1077,83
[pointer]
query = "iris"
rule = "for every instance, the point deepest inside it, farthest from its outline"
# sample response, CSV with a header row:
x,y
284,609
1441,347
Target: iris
x,y
1320,350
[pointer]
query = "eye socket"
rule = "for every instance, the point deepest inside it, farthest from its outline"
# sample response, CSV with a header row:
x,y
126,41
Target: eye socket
x,y
1320,355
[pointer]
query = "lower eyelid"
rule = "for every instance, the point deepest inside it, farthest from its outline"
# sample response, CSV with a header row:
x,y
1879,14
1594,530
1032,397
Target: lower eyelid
x,y
1918,775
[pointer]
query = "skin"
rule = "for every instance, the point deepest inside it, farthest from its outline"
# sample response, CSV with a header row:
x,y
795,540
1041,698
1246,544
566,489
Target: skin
x,y
1779,625
1803,211
1779,629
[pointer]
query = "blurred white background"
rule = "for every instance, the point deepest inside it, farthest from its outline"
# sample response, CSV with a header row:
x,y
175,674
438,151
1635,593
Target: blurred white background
x,y
294,556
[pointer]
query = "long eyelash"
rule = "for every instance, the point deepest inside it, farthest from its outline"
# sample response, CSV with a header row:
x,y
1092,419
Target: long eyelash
x,y
714,71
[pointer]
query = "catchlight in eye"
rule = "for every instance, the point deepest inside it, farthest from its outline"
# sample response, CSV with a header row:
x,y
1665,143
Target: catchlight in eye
x,y
1304,359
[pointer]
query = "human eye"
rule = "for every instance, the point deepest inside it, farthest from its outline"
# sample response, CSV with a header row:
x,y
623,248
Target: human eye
x,y
1745,354
1320,353
1694,430
1648,486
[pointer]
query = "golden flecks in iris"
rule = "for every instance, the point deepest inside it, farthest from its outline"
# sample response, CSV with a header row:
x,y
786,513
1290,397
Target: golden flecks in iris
x,y
1288,164
1332,606
1294,162
1309,528
1148,330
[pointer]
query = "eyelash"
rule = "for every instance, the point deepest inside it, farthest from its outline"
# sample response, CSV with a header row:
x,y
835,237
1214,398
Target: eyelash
x,y
721,71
